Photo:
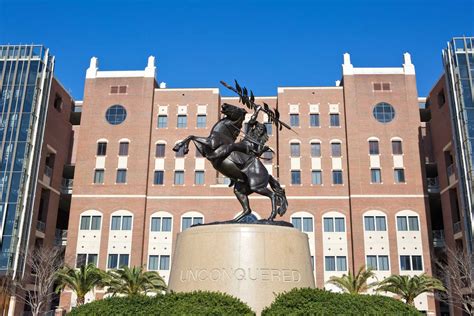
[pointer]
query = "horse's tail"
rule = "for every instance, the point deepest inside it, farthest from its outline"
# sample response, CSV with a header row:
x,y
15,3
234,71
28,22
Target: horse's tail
x,y
281,201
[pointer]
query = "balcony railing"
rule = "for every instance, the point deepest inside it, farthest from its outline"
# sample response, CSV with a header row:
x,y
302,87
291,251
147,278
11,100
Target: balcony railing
x,y
451,173
438,238
433,185
41,226
457,227
61,237
66,186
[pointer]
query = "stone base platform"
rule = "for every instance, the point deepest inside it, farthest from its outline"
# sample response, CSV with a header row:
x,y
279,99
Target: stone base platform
x,y
248,261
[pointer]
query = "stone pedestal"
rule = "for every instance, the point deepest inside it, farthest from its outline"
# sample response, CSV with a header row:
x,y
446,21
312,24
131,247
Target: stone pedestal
x,y
248,261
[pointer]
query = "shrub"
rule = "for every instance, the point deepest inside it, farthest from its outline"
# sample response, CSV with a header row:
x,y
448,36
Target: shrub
x,y
195,303
320,302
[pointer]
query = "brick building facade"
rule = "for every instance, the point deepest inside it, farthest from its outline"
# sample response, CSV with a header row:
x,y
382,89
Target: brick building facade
x,y
352,172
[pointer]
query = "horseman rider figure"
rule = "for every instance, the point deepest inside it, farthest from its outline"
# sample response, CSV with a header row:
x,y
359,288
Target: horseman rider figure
x,y
252,145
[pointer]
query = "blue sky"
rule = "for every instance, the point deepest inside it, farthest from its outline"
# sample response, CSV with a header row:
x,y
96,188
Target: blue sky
x,y
264,44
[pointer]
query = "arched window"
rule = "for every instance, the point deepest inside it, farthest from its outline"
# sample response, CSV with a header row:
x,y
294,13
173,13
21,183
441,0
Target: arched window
x,y
334,222
295,148
121,220
303,221
336,148
123,147
90,220
161,222
374,146
397,148
191,218
315,148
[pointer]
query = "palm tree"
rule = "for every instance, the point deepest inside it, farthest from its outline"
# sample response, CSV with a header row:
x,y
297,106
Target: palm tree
x,y
81,280
133,281
408,288
354,284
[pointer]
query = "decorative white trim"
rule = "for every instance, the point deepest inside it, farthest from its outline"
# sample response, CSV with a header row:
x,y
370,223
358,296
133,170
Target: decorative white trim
x,y
282,89
213,90
225,197
379,71
389,195
121,74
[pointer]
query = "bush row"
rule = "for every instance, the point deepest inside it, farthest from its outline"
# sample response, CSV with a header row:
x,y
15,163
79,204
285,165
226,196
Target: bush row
x,y
295,302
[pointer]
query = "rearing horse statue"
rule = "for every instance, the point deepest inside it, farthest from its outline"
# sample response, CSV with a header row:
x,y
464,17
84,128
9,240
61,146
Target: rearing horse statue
x,y
239,161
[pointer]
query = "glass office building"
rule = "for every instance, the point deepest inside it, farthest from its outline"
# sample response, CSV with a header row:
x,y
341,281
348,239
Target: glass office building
x,y
458,60
26,72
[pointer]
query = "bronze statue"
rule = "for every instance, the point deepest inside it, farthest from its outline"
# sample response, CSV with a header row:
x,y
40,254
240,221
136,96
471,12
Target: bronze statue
x,y
240,161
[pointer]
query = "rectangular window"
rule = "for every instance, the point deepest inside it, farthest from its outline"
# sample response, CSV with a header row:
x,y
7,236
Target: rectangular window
x,y
336,149
405,263
307,224
374,147
201,121
397,147
164,262
315,150
402,223
153,263
296,221
99,176
334,120
339,225
385,86
377,86
330,263
316,177
399,175
92,258
180,152
121,176
95,223
295,149
328,224
294,120
199,177
81,260
372,262
413,223
375,175
156,224
166,224
295,177
337,177
113,261
101,149
186,222
179,177
162,121
85,222
160,150
269,128
123,260
115,223
158,177
341,263
123,149
122,89
369,223
182,121
383,263
126,223
381,223
417,265
314,120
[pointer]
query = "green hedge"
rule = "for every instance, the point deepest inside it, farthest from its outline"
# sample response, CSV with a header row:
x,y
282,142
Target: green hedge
x,y
320,302
196,303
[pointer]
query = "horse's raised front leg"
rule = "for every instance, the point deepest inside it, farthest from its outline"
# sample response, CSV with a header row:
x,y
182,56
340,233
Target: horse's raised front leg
x,y
185,143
